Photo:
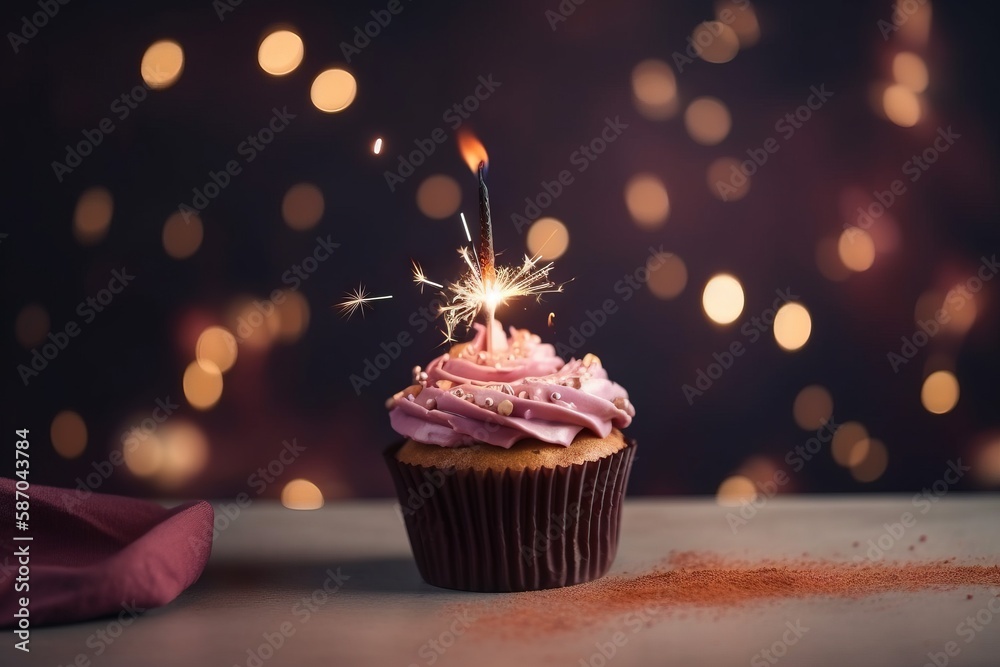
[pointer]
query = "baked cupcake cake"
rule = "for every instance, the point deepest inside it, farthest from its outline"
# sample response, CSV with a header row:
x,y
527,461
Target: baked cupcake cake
x,y
514,465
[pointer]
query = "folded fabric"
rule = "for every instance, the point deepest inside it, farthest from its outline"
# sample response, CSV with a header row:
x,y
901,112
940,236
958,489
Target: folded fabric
x,y
95,555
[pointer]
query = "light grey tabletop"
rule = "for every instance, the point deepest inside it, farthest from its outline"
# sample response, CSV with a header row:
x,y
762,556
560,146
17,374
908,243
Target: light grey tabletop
x,y
269,560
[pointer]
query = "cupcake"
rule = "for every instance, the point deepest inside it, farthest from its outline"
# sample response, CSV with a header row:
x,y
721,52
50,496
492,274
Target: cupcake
x,y
513,468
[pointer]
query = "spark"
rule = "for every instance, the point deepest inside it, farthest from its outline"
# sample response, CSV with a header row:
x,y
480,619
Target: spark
x,y
471,294
466,225
358,299
421,279
552,318
378,146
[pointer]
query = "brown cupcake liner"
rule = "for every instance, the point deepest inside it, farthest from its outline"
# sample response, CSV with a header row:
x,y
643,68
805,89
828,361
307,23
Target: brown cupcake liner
x,y
513,530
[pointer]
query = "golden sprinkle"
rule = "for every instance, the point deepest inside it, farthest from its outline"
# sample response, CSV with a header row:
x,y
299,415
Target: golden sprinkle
x,y
505,407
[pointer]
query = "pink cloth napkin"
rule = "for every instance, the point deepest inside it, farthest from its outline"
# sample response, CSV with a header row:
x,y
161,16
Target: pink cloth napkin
x,y
98,555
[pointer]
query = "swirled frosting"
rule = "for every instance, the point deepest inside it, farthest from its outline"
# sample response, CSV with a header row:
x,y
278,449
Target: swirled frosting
x,y
524,390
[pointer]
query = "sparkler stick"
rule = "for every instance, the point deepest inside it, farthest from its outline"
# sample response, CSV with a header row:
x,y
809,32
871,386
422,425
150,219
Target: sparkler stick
x,y
487,270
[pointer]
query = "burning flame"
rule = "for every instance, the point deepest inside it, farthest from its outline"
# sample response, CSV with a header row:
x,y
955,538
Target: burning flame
x,y
472,150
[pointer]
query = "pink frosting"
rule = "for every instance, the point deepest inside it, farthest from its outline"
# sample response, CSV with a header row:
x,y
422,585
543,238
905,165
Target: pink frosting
x,y
527,391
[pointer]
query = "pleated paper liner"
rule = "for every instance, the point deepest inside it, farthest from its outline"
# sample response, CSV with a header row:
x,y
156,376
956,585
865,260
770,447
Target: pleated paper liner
x,y
513,530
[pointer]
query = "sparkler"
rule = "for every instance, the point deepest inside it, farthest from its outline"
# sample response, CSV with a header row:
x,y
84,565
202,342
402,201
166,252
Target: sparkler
x,y
484,286
358,299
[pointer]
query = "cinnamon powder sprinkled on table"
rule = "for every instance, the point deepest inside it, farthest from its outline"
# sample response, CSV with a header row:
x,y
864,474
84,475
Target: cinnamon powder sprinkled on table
x,y
692,580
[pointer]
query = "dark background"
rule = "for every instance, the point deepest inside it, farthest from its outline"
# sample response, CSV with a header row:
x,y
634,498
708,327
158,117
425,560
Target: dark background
x,y
557,89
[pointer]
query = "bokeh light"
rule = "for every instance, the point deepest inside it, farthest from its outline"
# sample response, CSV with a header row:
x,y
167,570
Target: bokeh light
x,y
162,64
280,52
293,316
182,237
143,453
92,216
962,310
792,326
939,393
716,41
735,491
869,466
69,434
202,384
910,70
439,197
742,19
813,407
217,345
647,200
707,120
726,180
301,494
184,453
986,462
901,105
856,249
302,206
654,89
850,443
723,298
548,238
916,29
333,90
670,276
254,322
32,325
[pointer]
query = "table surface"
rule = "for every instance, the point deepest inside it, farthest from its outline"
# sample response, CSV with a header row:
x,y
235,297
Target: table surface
x,y
267,560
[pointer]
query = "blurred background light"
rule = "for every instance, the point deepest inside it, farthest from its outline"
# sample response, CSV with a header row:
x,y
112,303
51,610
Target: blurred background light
x,y
647,200
69,434
813,407
92,217
301,494
707,120
302,206
792,326
32,325
439,197
548,238
871,464
939,393
216,345
669,277
723,298
162,64
333,90
280,52
182,236
202,384
654,89
716,41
